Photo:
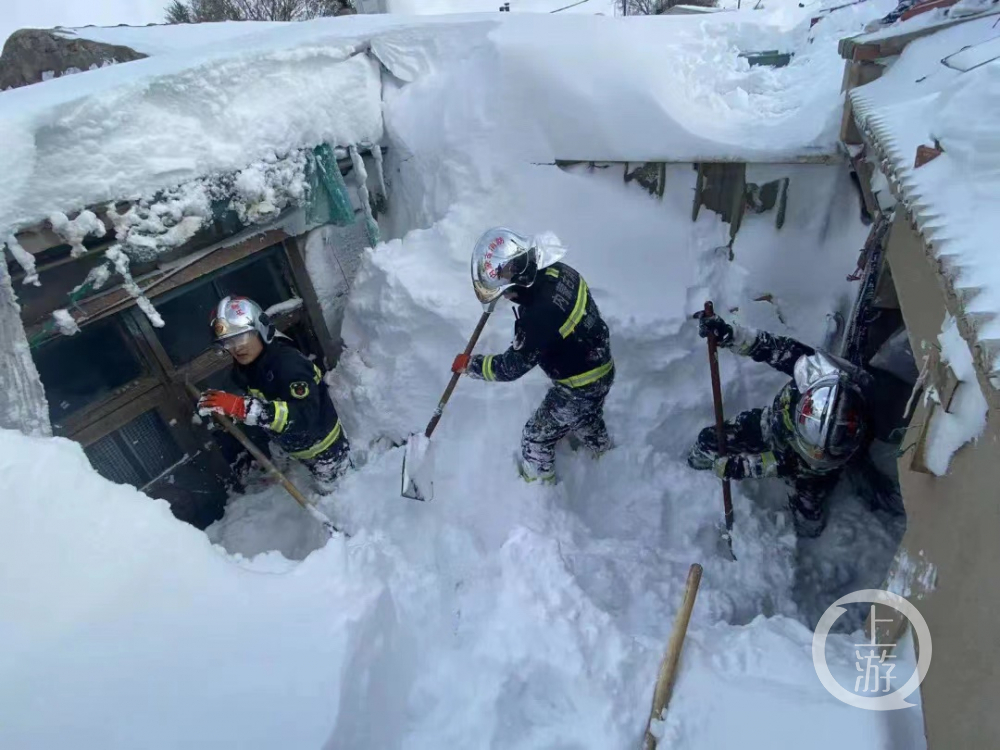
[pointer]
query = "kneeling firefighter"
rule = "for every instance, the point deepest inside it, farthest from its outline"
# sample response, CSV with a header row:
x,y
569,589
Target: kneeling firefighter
x,y
287,395
559,328
816,425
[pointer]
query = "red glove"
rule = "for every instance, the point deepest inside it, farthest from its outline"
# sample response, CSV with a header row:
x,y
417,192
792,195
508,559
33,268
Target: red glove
x,y
461,363
220,402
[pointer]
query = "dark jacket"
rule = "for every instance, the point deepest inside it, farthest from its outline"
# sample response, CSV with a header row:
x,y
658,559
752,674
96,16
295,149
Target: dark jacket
x,y
558,328
298,410
781,353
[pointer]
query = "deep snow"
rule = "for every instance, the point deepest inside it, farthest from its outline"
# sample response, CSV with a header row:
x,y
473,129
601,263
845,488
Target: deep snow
x,y
500,614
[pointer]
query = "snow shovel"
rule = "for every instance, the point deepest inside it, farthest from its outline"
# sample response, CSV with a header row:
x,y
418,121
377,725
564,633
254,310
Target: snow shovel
x,y
229,426
418,461
720,429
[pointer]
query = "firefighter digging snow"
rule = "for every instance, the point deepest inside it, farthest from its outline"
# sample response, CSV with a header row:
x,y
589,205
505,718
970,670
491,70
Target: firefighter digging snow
x,y
815,426
557,327
287,398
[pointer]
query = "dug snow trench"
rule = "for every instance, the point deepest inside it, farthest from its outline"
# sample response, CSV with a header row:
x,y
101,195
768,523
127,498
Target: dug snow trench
x,y
499,615
525,616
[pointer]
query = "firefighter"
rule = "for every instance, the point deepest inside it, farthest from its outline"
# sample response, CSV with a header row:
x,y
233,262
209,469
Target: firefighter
x,y
286,395
817,424
557,327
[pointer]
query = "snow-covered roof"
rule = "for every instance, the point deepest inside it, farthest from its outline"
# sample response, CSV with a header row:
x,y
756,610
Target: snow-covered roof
x,y
432,7
218,97
945,89
212,105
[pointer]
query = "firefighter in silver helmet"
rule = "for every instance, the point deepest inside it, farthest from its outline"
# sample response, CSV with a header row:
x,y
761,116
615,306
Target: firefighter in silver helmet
x,y
816,425
285,392
559,328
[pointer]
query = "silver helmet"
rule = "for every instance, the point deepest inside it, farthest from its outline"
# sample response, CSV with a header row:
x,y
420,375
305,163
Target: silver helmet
x,y
829,421
236,316
503,258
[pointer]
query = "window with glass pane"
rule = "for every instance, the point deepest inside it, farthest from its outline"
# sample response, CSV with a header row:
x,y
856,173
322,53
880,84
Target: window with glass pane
x,y
81,369
187,314
137,453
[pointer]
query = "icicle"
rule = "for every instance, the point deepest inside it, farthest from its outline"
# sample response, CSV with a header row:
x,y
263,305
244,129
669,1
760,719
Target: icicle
x,y
97,278
75,231
379,171
120,259
24,259
366,206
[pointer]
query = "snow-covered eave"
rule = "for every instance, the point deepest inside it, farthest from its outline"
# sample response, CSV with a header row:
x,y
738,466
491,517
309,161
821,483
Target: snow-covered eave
x,y
898,168
893,39
39,236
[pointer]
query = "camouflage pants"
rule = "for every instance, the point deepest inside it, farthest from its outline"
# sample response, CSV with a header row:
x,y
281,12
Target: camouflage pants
x,y
807,502
329,465
563,411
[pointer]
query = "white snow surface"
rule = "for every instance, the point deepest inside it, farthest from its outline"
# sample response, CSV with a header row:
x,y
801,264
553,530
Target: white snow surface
x,y
921,99
563,86
500,614
65,322
127,131
433,7
966,418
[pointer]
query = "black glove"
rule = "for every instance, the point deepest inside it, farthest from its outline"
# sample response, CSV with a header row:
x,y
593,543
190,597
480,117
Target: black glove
x,y
715,326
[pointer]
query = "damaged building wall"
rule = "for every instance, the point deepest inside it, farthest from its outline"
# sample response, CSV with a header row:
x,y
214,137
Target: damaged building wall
x,y
948,559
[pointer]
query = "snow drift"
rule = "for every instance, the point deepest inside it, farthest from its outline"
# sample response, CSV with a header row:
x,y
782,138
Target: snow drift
x,y
500,614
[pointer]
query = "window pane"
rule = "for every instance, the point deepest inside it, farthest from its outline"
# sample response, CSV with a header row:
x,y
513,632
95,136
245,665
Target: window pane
x,y
79,370
187,332
136,453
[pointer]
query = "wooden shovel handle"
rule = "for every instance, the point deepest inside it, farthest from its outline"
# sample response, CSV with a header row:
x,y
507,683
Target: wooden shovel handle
x,y
668,667
454,378
720,426
229,426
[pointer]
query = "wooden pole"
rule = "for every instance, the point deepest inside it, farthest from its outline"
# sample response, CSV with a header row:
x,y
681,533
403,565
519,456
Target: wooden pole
x,y
668,667
473,340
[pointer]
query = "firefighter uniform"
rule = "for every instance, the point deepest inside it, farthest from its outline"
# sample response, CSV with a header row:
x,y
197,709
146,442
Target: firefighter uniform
x,y
760,440
297,411
560,329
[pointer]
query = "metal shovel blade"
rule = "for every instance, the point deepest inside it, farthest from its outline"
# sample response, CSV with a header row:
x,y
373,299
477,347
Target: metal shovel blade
x,y
418,468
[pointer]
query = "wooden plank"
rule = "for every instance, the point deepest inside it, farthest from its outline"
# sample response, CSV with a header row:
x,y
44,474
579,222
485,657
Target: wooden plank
x,y
918,462
114,413
875,46
296,261
818,158
40,237
864,170
855,74
699,185
166,280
